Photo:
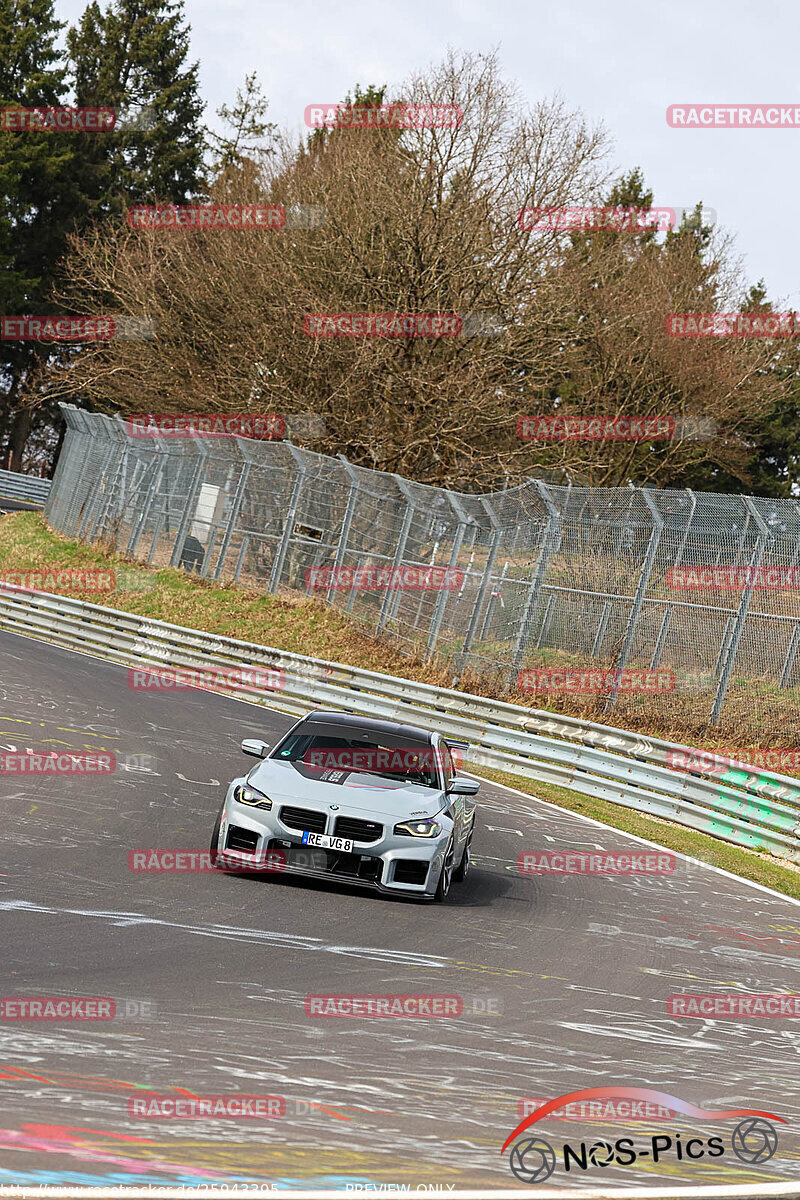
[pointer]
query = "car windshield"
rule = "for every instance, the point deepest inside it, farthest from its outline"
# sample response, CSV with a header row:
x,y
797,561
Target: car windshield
x,y
334,748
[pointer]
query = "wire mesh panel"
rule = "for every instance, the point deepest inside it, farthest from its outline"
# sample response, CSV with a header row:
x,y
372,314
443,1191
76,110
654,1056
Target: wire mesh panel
x,y
609,585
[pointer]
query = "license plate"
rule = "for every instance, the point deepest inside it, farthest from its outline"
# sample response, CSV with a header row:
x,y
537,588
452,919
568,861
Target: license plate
x,y
327,843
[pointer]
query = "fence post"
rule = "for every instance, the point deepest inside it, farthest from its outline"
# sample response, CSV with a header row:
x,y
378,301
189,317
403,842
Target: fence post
x,y
791,654
108,476
191,503
602,625
638,600
400,549
139,524
236,505
347,521
551,540
741,615
91,516
662,637
480,599
682,547
455,553
545,627
288,526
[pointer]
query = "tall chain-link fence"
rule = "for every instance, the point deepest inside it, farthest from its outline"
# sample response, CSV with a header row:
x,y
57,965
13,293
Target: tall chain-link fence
x,y
649,597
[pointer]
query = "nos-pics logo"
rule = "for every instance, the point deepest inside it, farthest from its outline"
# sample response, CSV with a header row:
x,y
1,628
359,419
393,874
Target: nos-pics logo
x,y
533,1159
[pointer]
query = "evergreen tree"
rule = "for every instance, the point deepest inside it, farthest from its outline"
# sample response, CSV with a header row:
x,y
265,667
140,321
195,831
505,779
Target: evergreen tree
x,y
38,197
133,57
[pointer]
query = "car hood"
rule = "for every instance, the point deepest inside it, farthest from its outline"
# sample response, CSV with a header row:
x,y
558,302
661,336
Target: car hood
x,y
295,783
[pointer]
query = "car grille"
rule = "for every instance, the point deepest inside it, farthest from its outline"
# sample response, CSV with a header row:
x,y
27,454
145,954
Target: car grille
x,y
357,830
241,839
303,819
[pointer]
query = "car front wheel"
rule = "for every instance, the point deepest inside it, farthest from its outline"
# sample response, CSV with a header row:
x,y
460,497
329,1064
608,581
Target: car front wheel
x,y
446,877
214,850
462,870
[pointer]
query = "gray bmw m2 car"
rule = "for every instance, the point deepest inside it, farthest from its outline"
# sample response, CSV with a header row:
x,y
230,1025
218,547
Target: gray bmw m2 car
x,y
369,802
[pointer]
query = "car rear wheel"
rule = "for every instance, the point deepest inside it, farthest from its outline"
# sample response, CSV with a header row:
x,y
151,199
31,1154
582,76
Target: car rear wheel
x,y
446,877
462,870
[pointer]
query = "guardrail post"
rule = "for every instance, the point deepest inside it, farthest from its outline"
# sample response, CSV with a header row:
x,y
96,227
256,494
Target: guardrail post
x,y
551,540
341,549
638,600
400,549
191,503
291,513
741,615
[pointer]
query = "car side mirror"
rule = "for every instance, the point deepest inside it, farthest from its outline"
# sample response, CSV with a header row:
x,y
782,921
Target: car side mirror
x,y
256,747
461,786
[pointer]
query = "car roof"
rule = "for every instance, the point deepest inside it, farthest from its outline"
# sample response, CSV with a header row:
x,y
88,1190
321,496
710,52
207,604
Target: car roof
x,y
370,724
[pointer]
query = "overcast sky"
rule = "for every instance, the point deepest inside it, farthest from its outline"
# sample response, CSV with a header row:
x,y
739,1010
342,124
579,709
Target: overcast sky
x,y
622,63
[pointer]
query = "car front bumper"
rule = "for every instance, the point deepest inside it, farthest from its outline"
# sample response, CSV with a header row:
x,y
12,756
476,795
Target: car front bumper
x,y
400,865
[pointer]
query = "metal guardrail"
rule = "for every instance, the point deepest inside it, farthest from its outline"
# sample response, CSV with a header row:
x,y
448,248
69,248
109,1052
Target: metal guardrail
x,y
30,488
747,807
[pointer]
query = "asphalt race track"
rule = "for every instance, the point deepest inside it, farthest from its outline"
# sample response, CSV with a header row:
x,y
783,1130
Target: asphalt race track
x,y
564,980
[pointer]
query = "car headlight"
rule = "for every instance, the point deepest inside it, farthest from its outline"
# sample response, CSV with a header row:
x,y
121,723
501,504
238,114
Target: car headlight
x,y
427,827
247,795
